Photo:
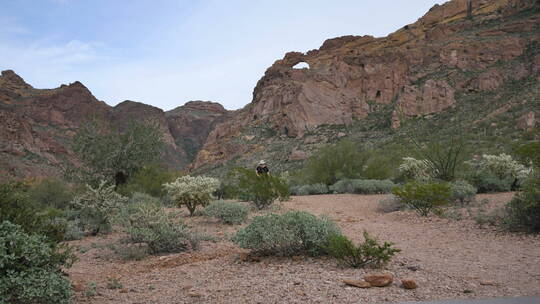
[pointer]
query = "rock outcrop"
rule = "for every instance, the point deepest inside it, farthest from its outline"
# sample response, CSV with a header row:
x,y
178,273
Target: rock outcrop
x,y
37,125
415,71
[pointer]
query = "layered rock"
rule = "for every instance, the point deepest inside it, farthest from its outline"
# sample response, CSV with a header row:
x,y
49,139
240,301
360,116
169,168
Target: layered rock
x,y
414,71
37,125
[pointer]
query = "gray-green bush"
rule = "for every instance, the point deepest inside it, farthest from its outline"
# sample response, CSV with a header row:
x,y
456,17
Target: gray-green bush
x,y
363,186
310,189
462,191
30,268
162,231
228,212
292,233
97,207
523,212
390,204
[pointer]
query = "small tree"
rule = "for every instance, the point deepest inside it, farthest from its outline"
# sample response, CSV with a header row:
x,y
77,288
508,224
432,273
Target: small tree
x,y
332,163
192,191
114,156
261,190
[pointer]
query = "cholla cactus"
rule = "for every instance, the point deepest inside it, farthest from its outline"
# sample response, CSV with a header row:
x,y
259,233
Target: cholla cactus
x,y
417,169
503,165
97,206
192,191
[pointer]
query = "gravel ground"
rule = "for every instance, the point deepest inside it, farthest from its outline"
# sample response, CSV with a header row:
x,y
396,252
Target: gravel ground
x,y
449,259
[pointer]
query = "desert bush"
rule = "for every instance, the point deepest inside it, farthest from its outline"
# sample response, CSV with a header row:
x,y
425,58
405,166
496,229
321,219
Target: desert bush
x,y
495,173
362,186
162,231
524,209
529,153
344,160
295,232
17,207
423,197
148,180
30,268
310,189
462,191
415,169
379,166
97,207
443,159
192,191
73,230
228,212
51,193
261,190
369,253
389,204
487,182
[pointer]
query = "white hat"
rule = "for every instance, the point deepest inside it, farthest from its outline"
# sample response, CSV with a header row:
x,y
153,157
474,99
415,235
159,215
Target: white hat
x,y
262,162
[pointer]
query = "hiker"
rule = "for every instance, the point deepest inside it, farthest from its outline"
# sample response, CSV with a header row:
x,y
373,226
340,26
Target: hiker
x,y
262,168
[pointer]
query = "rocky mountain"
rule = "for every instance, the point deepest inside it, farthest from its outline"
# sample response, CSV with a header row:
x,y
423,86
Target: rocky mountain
x,y
37,125
453,64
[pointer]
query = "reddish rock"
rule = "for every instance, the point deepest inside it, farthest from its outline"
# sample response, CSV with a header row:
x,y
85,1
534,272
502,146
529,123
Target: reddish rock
x,y
357,283
527,121
418,70
379,279
409,283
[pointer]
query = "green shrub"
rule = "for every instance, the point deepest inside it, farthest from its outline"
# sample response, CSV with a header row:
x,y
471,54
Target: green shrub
x,y
389,204
261,190
227,212
142,198
379,166
487,182
310,189
344,160
148,180
73,230
30,268
423,197
192,191
17,208
97,207
295,232
369,253
524,209
363,186
529,153
462,191
161,230
52,193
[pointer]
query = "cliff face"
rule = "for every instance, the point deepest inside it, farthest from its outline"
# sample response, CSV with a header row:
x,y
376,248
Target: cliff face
x,y
37,126
417,70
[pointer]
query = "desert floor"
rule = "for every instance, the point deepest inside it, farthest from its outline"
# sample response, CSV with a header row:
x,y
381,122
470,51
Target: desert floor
x,y
448,258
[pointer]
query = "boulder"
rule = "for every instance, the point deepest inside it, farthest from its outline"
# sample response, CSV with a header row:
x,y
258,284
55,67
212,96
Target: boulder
x,y
357,283
379,279
409,283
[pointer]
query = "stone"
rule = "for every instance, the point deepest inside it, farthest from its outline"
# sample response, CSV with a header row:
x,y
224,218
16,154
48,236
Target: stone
x,y
194,295
379,279
124,290
248,257
78,287
409,283
488,283
298,155
527,121
357,283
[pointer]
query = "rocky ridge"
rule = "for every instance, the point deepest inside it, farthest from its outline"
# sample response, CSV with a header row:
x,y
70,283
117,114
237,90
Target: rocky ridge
x,y
416,71
37,125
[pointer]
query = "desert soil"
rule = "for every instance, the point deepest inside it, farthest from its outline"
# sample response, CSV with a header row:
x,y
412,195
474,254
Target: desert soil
x,y
448,258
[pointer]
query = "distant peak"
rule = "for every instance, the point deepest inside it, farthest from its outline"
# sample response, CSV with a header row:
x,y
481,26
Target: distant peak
x,y
12,77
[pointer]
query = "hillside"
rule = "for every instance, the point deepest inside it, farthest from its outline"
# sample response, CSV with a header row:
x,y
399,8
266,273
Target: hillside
x,y
443,75
37,125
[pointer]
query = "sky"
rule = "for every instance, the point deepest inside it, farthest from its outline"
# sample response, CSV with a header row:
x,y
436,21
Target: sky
x,y
168,52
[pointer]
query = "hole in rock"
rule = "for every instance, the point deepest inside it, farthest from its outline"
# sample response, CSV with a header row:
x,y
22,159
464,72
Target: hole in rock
x,y
301,65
